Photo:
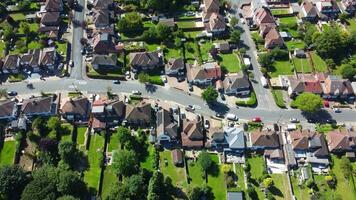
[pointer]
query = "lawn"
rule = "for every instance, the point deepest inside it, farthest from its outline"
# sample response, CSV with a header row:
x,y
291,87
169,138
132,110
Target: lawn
x,y
149,161
319,63
172,53
259,42
18,16
191,52
109,181
279,11
204,49
323,187
186,24
280,189
152,46
288,20
216,179
195,173
280,67
302,65
240,177
69,129
81,135
230,62
92,175
34,45
62,48
257,167
295,44
7,153
113,142
278,98
33,28
191,34
177,174
352,25
300,192
344,188
2,48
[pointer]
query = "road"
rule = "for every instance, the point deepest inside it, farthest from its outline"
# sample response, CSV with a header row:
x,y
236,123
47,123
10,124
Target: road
x,y
78,70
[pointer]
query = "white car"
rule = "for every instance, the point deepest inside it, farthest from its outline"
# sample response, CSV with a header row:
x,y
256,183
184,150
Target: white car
x,y
206,124
232,117
294,120
136,92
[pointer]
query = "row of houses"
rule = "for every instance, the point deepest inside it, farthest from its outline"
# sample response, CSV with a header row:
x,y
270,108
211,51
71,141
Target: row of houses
x,y
328,86
50,15
34,60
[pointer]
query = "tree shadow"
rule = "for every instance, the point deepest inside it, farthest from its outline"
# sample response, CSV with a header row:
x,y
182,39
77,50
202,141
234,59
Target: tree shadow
x,y
275,191
214,170
219,107
150,88
322,116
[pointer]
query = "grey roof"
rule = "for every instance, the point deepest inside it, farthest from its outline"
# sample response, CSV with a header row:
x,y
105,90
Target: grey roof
x,y
7,108
109,60
235,82
37,105
175,64
166,124
143,59
11,62
101,18
234,196
235,137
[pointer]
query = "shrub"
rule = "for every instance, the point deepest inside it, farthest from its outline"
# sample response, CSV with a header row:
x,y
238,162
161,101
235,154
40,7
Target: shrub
x,y
249,103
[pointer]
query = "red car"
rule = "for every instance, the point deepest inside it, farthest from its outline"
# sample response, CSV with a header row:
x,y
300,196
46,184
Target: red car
x,y
256,119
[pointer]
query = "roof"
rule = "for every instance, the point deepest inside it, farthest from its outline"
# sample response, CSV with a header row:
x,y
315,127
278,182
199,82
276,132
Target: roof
x,y
313,87
311,141
234,196
53,5
35,57
192,133
177,156
11,62
309,8
236,81
108,60
166,124
101,18
76,106
7,108
116,107
216,21
50,18
341,140
48,56
211,5
144,59
263,15
103,43
273,38
97,124
37,105
274,154
296,85
175,64
210,70
235,137
265,138
142,111
102,4
337,86
168,22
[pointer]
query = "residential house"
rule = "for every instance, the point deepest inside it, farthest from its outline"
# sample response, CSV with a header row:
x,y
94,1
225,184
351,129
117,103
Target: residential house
x,y
49,58
336,87
39,106
101,18
349,6
237,84
34,61
103,4
204,74
341,141
177,157
273,39
11,64
174,66
328,9
310,148
235,139
266,28
209,7
104,62
115,111
107,113
192,134
167,128
224,47
142,61
104,43
305,83
77,109
140,114
308,11
8,110
266,139
53,6
262,16
50,19
216,24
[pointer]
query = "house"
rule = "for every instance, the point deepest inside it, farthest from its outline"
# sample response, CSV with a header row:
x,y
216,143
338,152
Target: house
x,y
11,64
263,15
230,140
167,128
115,110
341,141
328,9
263,140
167,22
234,196
299,53
142,61
236,84
273,39
204,74
8,110
310,148
50,19
104,43
224,47
209,7
77,109
336,87
216,24
266,27
97,125
48,58
39,106
308,11
53,6
98,108
101,18
177,157
174,66
104,62
102,4
192,134
349,6
140,114
34,61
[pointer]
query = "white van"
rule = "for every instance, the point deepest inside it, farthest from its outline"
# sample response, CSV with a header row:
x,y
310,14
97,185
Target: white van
x,y
264,81
247,62
231,116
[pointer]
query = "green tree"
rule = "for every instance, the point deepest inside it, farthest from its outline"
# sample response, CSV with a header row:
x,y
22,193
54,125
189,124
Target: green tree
x,y
198,193
235,36
343,17
131,23
67,197
155,189
54,123
210,94
164,33
268,182
348,71
330,44
310,29
124,136
265,60
143,77
136,187
39,126
8,33
12,182
308,102
70,183
233,22
204,160
125,162
68,152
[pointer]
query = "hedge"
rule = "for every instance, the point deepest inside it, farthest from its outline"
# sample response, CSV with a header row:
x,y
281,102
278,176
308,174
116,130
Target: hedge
x,y
156,81
136,97
107,77
249,103
278,99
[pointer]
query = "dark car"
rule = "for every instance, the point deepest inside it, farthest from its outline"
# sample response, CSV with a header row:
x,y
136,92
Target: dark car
x,y
12,93
116,81
331,121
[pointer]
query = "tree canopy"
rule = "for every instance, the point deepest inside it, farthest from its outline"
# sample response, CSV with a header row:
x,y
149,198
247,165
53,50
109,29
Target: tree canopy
x,y
235,36
132,22
12,182
210,94
308,102
125,162
204,160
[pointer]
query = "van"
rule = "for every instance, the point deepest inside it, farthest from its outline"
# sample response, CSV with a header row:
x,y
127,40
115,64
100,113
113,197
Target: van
x,y
231,116
247,62
264,81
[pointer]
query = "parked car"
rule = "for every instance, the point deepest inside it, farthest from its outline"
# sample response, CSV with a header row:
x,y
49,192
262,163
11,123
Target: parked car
x,y
331,121
257,119
231,116
189,13
190,108
190,87
71,63
294,120
12,93
219,115
136,92
337,110
116,81
207,124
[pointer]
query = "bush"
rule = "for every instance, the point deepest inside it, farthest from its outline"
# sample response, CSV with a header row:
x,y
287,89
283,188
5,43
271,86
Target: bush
x,y
278,98
136,97
249,103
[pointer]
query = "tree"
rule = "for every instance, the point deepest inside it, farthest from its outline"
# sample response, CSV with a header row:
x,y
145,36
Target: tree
x,y
131,23
343,17
310,183
268,182
310,29
67,197
3,93
39,126
155,189
346,167
136,187
235,36
125,162
124,136
25,27
204,160
210,94
198,193
70,183
242,51
8,33
226,168
348,71
161,5
265,60
24,4
330,44
233,22
143,77
68,152
12,182
164,33
308,102
54,123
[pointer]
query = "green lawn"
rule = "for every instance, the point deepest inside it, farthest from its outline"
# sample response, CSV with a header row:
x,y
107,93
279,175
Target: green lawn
x,y
302,65
288,20
92,175
34,45
319,63
216,180
279,11
113,142
300,192
323,187
109,181
280,68
352,25
62,48
240,177
172,53
280,189
2,48
191,34
345,188
195,173
177,174
69,129
7,153
230,62
204,49
81,135
191,52
186,24
278,98
295,44
18,16
152,46
257,168
259,42
149,162
33,28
